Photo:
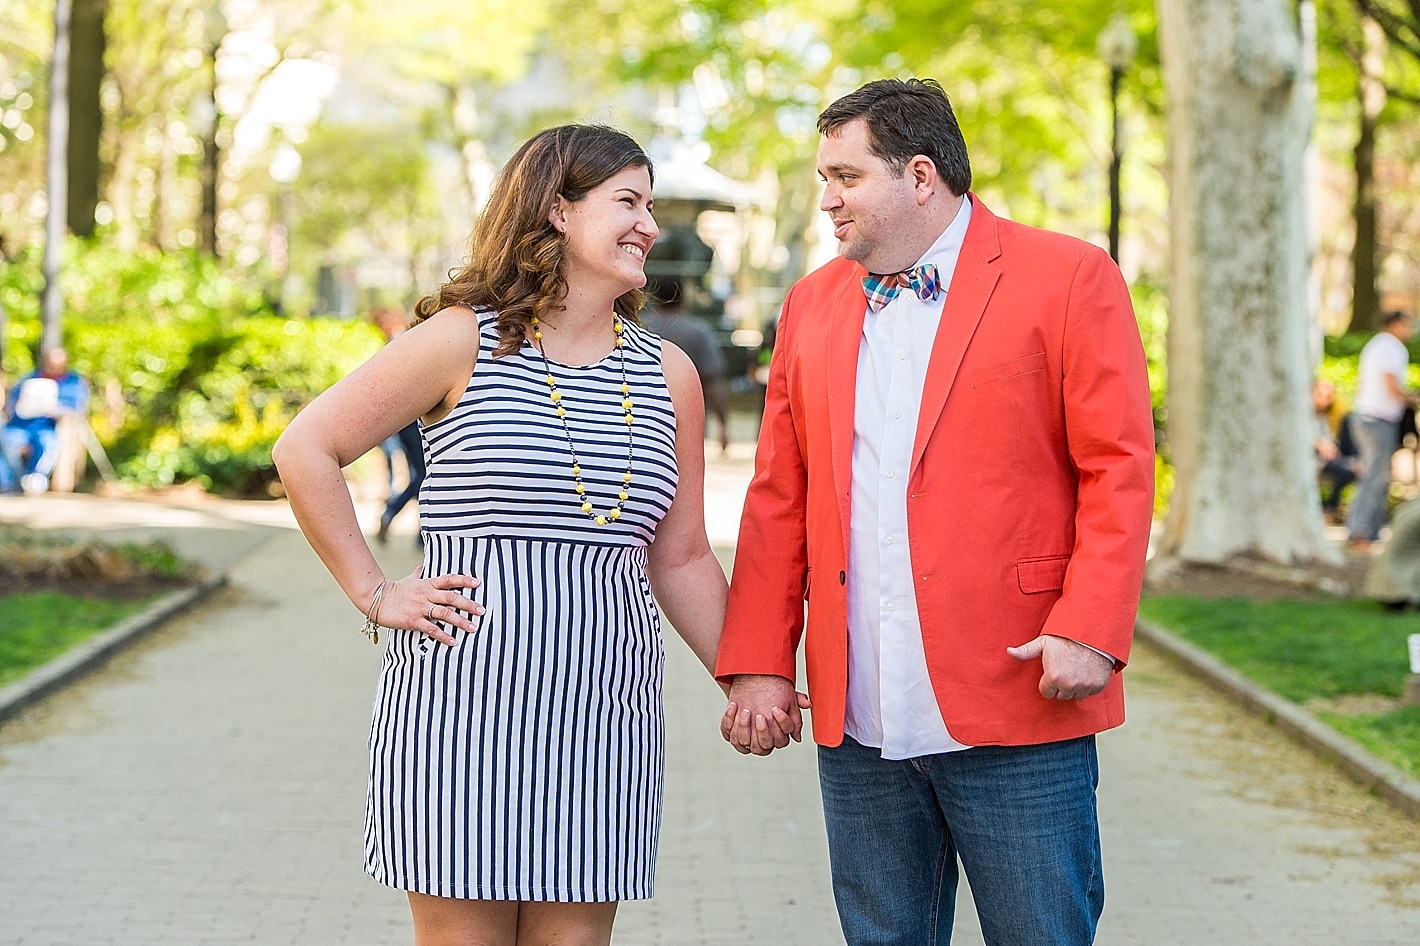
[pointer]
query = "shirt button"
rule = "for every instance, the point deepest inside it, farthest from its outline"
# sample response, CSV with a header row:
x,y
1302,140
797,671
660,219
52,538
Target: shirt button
x,y
902,356
888,540
891,606
897,413
890,474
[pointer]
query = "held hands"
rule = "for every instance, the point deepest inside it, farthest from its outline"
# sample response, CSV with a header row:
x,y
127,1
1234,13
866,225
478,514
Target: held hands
x,y
1071,671
430,605
763,714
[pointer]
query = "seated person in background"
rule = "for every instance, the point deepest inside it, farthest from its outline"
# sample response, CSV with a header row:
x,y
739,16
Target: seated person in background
x,y
668,318
29,439
1337,460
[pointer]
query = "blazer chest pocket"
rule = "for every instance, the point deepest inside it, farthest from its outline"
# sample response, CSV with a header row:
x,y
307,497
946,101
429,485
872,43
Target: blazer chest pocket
x,y
1042,574
1008,369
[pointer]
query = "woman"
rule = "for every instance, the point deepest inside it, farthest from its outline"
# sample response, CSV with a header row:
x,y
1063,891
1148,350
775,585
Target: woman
x,y
517,743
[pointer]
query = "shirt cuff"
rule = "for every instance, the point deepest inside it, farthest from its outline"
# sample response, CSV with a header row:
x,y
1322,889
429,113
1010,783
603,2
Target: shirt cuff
x,y
1107,656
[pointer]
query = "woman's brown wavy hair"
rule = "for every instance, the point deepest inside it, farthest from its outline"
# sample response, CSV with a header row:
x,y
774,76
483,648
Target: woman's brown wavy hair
x,y
515,257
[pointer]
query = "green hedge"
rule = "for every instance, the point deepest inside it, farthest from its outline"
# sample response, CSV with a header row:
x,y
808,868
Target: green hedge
x,y
193,376
1342,356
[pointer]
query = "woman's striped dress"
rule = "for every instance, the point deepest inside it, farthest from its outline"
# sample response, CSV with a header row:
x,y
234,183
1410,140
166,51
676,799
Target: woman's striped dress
x,y
526,762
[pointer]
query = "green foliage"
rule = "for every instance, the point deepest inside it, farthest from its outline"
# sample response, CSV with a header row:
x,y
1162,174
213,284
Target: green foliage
x,y
258,375
1151,311
194,379
361,183
158,559
1341,360
32,554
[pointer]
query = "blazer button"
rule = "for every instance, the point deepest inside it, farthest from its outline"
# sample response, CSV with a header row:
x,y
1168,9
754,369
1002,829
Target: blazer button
x,y
843,578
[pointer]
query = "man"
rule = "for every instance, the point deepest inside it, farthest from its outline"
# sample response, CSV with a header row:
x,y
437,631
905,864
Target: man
x,y
407,440
670,320
30,438
1381,400
957,474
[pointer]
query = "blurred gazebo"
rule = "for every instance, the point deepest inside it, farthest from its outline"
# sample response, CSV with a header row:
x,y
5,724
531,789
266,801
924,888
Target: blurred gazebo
x,y
704,221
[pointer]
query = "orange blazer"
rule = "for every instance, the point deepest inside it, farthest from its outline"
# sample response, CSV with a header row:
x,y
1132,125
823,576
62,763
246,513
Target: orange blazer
x,y
1029,498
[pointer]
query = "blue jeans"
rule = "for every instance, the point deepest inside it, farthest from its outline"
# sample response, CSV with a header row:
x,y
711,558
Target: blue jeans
x,y
1376,440
1020,818
413,449
43,446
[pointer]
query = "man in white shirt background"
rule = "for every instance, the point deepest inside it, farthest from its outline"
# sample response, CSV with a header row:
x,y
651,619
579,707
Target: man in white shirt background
x,y
1381,400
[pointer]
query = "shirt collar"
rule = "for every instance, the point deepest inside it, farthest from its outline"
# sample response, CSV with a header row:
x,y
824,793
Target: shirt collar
x,y
947,247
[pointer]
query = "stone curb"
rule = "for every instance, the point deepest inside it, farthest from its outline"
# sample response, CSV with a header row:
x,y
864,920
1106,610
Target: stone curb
x,y
1377,777
85,657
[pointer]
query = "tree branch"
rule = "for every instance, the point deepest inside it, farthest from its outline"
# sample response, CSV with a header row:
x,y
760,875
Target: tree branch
x,y
1400,31
1410,98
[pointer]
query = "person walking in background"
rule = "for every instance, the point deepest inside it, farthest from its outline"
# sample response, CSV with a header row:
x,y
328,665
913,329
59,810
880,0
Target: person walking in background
x,y
1336,460
956,469
517,748
669,319
34,408
392,323
1381,400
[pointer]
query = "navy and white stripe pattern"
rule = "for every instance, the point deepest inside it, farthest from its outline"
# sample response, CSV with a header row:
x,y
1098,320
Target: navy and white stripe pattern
x,y
526,762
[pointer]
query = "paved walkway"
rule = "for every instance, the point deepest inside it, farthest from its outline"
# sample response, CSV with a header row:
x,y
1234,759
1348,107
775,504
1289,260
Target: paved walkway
x,y
206,787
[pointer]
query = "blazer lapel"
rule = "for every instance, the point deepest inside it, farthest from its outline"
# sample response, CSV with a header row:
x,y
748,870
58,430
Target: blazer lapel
x,y
849,308
972,284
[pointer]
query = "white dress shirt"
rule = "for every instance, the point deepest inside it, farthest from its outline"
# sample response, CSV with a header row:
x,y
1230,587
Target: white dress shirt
x,y
891,703
1383,355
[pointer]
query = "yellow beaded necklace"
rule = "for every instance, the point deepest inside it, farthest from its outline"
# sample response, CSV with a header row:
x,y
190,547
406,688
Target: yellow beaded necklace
x,y
555,395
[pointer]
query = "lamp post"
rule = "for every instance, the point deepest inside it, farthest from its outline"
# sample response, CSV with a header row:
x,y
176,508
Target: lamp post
x,y
285,168
56,181
1117,45
214,29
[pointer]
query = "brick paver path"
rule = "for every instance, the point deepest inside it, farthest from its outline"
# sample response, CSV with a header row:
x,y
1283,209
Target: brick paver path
x,y
207,787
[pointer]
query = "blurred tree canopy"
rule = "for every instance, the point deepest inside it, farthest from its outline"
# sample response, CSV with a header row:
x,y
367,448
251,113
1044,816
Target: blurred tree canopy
x,y
401,110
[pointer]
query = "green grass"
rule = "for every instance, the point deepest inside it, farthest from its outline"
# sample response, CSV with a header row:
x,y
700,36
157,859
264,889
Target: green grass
x,y
1311,649
1393,736
35,628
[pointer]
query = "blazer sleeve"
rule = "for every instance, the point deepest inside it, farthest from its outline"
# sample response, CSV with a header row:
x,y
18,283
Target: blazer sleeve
x,y
764,620
1110,434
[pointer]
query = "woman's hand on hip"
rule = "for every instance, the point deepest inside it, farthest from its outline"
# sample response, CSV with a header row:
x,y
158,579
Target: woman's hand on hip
x,y
431,606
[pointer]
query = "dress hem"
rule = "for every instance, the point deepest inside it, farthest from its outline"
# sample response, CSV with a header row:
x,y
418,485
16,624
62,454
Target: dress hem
x,y
505,894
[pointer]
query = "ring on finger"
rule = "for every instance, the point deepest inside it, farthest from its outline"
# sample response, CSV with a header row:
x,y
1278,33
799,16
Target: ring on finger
x,y
429,612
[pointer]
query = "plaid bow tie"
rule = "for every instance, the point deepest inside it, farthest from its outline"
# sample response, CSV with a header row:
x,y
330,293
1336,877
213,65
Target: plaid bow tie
x,y
924,281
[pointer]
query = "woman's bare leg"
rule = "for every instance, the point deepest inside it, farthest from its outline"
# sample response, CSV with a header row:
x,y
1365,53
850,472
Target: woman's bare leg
x,y
443,921
565,924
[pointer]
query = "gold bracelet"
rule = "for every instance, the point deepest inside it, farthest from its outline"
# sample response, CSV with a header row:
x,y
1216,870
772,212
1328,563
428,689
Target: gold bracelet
x,y
372,627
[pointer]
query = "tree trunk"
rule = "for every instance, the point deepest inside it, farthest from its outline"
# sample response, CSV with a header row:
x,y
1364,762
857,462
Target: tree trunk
x,y
1239,422
86,73
1365,296
478,171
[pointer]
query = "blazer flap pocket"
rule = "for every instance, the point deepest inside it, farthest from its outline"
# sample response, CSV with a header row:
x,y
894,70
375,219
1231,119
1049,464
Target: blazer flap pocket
x,y
1042,574
1008,369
